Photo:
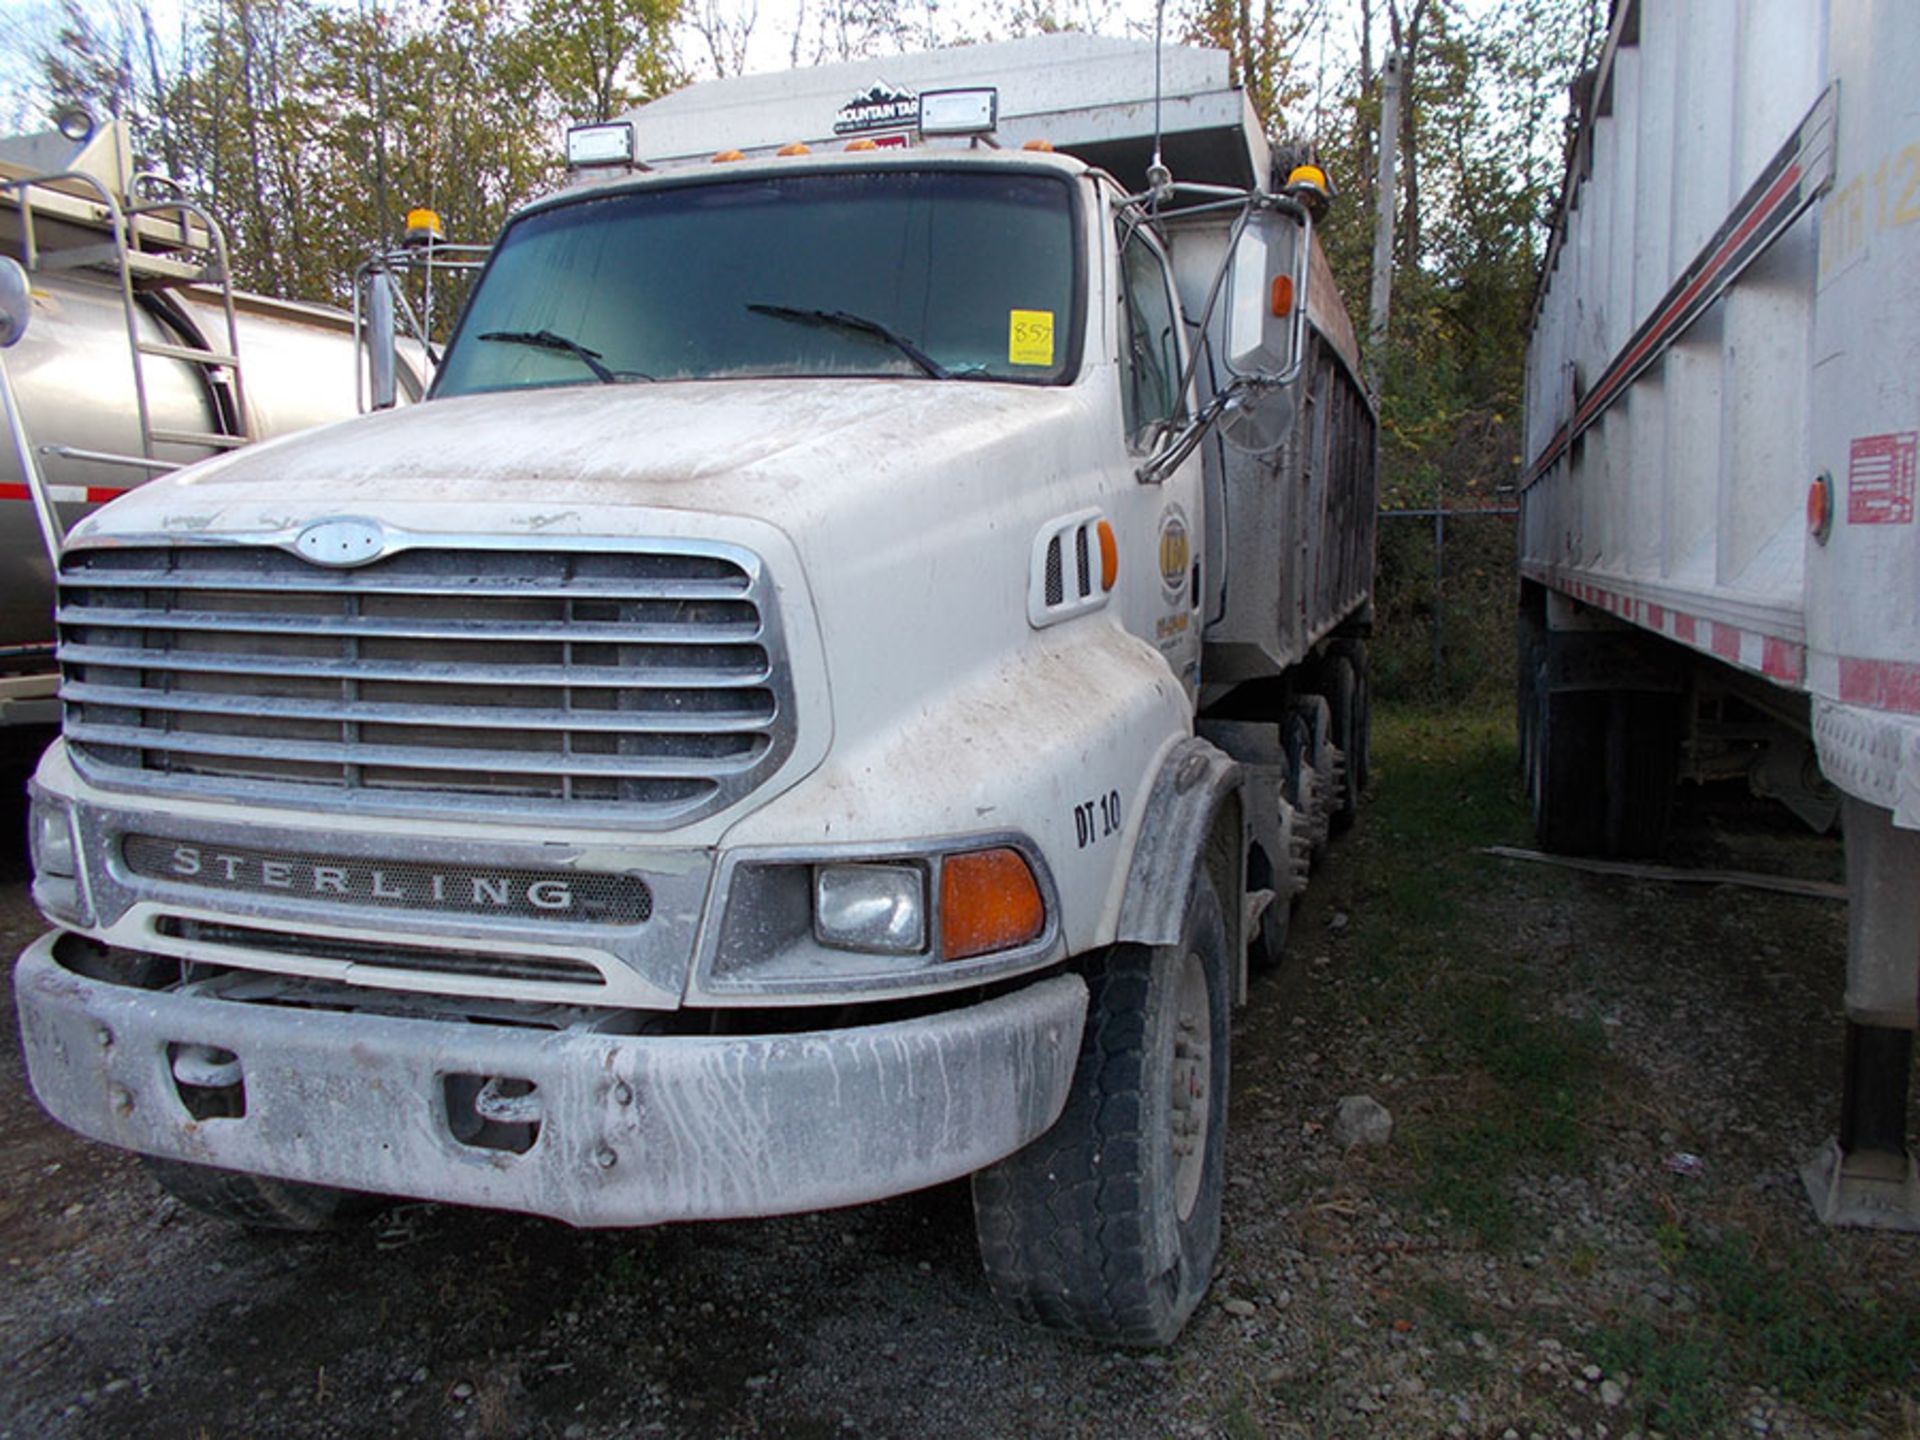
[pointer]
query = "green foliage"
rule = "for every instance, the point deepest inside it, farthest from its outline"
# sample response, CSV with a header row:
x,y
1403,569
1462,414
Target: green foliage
x,y
1764,1319
1461,607
314,127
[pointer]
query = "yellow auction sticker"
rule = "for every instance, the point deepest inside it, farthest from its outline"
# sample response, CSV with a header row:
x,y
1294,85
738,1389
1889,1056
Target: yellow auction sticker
x,y
1030,337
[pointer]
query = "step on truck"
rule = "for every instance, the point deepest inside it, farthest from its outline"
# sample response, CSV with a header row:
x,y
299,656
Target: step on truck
x,y
852,661
1718,547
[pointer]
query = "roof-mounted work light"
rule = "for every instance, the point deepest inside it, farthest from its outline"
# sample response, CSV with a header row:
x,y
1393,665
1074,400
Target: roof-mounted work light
x,y
960,112
592,146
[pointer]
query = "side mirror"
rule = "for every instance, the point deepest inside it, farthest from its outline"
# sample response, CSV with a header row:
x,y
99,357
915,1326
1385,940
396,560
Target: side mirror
x,y
16,302
1265,296
382,340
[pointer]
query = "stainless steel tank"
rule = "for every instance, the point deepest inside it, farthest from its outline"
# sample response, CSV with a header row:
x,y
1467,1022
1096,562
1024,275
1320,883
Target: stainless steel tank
x,y
87,355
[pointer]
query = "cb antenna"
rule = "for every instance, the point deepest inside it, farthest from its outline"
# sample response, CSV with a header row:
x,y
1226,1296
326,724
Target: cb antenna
x,y
1159,178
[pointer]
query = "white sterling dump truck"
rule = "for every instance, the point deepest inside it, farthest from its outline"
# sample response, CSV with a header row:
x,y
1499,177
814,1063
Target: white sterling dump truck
x,y
1718,542
864,637
141,357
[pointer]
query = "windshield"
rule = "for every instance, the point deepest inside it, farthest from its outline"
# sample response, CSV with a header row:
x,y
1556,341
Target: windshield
x,y
947,274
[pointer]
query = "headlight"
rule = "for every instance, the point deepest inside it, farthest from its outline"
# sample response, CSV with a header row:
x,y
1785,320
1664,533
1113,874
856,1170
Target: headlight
x,y
901,921
51,833
56,861
880,909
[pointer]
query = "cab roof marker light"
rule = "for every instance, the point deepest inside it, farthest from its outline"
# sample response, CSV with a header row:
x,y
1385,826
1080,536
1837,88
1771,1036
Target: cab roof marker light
x,y
1039,147
727,157
860,146
796,148
960,112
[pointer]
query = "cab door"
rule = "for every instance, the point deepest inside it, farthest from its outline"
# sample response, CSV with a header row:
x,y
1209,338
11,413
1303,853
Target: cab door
x,y
1167,517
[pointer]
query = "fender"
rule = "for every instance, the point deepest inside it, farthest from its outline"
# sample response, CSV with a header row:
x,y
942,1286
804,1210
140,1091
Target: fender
x,y
1196,792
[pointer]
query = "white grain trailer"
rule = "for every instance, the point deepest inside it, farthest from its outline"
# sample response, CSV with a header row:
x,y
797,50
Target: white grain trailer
x,y
1719,556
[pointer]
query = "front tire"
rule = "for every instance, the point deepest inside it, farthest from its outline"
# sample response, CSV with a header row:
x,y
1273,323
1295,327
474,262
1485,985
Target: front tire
x,y
1108,1225
257,1201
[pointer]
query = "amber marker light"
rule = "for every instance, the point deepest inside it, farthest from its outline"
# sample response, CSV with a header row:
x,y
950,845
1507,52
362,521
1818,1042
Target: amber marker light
x,y
860,145
1820,507
1044,147
1281,299
726,157
1109,556
989,901
796,148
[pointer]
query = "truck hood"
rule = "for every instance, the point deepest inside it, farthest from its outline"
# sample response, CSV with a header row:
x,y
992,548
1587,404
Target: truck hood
x,y
779,450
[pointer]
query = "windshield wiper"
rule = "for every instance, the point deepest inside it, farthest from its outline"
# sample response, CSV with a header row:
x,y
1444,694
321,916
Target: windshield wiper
x,y
547,340
845,321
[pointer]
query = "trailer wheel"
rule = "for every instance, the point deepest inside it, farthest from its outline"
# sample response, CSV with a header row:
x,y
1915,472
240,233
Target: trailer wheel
x,y
1108,1225
258,1201
1568,754
1530,647
1643,760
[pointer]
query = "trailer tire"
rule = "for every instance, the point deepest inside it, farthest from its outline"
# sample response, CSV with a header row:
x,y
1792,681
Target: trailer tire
x,y
1108,1225
258,1201
1568,752
1643,758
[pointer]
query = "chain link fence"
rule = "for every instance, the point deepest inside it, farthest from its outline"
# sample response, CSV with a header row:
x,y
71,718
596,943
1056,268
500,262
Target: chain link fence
x,y
1444,605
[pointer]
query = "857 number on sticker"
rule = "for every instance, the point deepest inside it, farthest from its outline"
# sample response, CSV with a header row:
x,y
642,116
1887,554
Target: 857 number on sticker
x,y
1096,820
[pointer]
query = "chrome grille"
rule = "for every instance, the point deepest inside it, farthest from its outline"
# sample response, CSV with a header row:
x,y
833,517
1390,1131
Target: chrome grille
x,y
647,684
380,955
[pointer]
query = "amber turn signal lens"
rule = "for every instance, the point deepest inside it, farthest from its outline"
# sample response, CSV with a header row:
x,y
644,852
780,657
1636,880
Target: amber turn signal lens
x,y
1820,507
1282,297
1109,556
988,901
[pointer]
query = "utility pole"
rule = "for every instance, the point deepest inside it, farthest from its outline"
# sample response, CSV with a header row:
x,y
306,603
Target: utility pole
x,y
1380,301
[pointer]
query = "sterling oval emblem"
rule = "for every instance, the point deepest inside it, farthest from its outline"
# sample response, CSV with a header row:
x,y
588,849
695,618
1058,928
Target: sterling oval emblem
x,y
347,540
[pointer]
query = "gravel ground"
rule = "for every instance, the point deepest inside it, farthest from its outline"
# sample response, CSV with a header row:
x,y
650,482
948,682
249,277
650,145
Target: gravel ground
x,y
1587,1221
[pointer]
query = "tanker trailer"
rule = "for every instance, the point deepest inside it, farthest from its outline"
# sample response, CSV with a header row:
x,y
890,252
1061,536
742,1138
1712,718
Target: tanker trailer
x,y
141,357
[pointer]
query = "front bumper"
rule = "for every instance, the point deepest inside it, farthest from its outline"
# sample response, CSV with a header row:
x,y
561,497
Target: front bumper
x,y
634,1130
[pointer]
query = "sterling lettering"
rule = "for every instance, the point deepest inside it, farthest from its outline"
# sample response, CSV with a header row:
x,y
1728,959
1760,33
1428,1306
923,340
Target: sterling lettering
x,y
374,883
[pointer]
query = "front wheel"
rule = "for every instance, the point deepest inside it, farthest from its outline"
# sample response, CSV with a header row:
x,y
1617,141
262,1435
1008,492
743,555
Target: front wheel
x,y
257,1201
1108,1225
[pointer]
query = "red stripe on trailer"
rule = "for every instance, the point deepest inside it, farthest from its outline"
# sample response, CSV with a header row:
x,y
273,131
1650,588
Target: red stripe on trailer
x,y
1726,642
1805,170
1656,617
1782,660
1683,627
1880,684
